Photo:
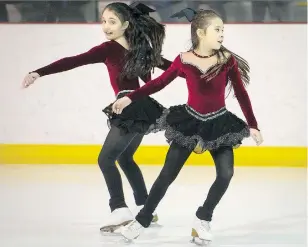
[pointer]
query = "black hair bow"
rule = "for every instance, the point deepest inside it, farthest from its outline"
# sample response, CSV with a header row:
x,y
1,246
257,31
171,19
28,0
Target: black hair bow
x,y
189,13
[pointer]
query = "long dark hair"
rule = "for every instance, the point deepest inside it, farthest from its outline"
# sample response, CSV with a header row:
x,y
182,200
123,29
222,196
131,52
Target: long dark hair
x,y
145,38
201,19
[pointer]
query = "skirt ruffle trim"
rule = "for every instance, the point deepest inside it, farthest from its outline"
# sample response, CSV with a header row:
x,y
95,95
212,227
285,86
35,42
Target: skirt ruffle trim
x,y
199,141
139,117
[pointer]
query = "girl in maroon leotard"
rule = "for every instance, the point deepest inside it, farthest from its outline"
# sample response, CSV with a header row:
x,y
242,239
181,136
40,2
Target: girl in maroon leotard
x,y
203,123
133,51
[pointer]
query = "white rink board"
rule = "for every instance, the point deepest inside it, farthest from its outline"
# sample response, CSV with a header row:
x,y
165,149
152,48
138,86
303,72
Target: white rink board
x,y
66,108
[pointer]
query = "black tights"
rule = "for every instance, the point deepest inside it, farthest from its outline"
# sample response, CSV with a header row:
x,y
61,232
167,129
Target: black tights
x,y
121,148
175,159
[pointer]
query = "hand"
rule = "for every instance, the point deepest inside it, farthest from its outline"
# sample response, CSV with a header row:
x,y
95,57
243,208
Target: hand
x,y
29,79
120,104
256,136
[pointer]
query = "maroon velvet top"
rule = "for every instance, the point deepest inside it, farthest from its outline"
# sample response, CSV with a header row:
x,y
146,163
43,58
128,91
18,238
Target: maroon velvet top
x,y
111,53
204,97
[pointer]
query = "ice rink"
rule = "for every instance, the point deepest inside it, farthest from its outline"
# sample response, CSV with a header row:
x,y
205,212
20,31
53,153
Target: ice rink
x,y
65,205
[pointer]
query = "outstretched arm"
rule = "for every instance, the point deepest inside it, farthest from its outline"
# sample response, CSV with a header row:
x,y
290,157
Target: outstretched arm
x,y
159,83
166,64
97,54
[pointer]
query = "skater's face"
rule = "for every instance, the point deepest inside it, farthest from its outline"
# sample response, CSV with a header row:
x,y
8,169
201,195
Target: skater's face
x,y
213,35
113,27
207,29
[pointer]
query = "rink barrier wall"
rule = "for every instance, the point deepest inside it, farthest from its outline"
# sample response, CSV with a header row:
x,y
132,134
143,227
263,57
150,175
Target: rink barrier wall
x,y
66,108
147,155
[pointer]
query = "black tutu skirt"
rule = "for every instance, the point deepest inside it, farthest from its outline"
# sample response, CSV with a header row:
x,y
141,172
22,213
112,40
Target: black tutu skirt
x,y
201,132
140,116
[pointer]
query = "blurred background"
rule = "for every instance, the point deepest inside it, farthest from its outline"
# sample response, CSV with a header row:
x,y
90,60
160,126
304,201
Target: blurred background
x,y
81,11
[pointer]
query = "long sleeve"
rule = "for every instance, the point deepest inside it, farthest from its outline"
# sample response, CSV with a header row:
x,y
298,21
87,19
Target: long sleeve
x,y
97,54
241,94
159,83
166,64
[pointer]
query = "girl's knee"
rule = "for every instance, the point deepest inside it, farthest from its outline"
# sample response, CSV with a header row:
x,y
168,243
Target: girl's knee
x,y
106,159
126,161
226,174
166,178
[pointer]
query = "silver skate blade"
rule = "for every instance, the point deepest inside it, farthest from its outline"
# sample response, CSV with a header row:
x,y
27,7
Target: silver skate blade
x,y
200,242
113,228
109,229
127,241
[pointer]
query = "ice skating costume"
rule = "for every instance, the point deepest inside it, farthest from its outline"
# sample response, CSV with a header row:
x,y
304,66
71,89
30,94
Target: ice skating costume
x,y
139,117
203,123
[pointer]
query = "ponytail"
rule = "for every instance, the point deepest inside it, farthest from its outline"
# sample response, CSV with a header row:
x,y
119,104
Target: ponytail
x,y
145,38
242,64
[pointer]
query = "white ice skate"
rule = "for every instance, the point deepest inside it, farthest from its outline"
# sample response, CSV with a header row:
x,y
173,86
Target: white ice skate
x,y
132,230
119,217
201,232
137,210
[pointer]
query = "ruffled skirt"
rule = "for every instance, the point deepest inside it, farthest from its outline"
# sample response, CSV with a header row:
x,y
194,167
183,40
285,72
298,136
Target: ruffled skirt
x,y
141,116
201,132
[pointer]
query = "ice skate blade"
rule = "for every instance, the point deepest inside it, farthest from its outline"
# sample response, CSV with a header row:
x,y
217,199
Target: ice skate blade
x,y
196,240
127,240
201,242
112,228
